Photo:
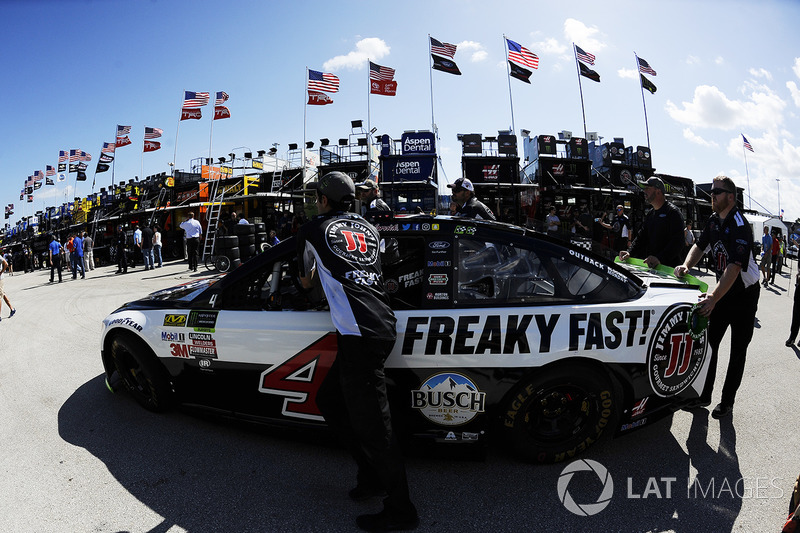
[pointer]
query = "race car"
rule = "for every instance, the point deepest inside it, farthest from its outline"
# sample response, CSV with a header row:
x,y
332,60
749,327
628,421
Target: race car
x,y
501,332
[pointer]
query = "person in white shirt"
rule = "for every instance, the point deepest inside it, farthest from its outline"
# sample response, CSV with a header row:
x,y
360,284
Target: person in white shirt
x,y
193,231
157,246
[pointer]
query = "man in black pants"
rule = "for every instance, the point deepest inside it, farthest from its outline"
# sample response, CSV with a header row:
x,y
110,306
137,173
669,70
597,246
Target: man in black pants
x,y
660,239
734,301
343,251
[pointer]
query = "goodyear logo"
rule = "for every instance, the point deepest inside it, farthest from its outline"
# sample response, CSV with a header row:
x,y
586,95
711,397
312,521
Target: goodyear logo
x,y
175,321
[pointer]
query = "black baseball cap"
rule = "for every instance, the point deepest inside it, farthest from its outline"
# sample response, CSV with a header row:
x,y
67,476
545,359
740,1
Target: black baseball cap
x,y
337,186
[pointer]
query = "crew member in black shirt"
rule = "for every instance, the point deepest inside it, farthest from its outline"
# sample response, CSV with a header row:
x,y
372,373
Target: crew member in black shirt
x,y
468,204
660,239
734,301
369,194
343,251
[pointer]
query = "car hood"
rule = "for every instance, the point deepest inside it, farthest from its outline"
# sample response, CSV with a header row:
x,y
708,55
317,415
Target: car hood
x,y
178,296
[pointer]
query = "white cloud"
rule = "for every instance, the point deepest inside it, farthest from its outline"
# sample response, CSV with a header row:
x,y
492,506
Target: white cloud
x,y
796,67
584,36
628,73
692,137
711,108
795,92
719,60
548,46
692,60
478,53
761,73
371,47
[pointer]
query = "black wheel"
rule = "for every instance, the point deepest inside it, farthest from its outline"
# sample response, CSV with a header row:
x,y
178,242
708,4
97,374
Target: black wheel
x,y
222,263
247,239
142,374
244,229
235,263
561,411
232,253
227,241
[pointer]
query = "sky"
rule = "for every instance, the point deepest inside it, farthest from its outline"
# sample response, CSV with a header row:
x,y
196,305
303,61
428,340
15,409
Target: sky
x,y
73,70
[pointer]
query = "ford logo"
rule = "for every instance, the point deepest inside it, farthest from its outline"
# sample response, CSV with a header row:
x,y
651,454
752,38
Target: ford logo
x,y
439,245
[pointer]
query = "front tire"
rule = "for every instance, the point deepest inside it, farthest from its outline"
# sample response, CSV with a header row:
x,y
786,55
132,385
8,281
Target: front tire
x,y
559,412
142,374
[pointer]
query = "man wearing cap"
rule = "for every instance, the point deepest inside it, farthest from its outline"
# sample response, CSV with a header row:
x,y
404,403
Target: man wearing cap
x,y
734,301
370,198
660,239
343,251
468,204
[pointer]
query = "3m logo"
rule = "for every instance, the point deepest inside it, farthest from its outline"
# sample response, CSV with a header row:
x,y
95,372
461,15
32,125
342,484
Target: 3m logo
x,y
179,350
175,321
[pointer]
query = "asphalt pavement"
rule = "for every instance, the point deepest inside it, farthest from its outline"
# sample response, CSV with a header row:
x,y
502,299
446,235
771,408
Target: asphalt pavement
x,y
76,458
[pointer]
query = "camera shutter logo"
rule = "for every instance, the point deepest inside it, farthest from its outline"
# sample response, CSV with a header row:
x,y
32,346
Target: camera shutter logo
x,y
585,509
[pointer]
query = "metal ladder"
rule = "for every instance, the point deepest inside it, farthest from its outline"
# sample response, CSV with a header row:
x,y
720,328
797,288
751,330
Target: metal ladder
x,y
277,180
216,196
162,193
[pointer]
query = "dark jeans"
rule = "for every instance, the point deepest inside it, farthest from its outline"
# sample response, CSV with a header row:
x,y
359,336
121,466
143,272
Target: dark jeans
x,y
76,264
738,312
795,314
191,250
122,260
55,266
353,400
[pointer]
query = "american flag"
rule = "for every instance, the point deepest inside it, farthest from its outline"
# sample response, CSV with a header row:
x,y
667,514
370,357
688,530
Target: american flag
x,y
747,143
222,97
74,155
322,81
521,55
586,57
644,67
62,156
85,156
152,133
108,148
123,130
379,73
442,49
50,171
38,175
192,99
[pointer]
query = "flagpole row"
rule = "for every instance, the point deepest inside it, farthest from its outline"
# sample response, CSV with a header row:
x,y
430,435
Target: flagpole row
x,y
510,98
430,75
580,89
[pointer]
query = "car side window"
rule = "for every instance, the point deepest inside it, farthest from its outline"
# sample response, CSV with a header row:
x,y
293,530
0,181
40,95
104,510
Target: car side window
x,y
503,273
403,267
275,287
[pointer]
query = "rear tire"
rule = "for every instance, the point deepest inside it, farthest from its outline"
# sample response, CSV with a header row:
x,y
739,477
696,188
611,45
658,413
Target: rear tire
x,y
222,263
142,374
559,412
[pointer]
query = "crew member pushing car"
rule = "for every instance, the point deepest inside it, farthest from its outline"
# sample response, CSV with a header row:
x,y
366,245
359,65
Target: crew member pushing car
x,y
343,250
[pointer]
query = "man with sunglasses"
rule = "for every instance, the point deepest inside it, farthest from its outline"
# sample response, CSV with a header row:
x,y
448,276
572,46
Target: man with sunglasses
x,y
468,204
734,301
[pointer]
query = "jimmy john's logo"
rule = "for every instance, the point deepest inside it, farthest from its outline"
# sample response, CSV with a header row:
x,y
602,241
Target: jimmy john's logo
x,y
353,241
674,358
448,399
175,321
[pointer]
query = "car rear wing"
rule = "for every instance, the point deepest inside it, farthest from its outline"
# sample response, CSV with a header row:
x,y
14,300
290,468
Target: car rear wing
x,y
664,270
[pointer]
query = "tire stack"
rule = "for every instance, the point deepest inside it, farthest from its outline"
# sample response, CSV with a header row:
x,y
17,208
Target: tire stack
x,y
261,237
228,246
247,240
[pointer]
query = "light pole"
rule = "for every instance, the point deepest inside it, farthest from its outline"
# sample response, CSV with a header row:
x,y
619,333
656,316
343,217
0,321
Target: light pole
x,y
780,215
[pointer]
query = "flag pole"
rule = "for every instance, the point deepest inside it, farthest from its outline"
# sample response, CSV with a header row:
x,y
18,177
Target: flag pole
x,y
430,75
369,90
305,116
508,75
141,168
580,88
175,151
747,173
646,127
210,138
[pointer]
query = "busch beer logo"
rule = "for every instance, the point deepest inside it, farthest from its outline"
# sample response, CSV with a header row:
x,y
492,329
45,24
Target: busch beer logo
x,y
674,359
448,399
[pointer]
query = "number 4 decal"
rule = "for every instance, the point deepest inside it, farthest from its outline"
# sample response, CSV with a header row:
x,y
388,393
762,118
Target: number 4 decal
x,y
298,378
